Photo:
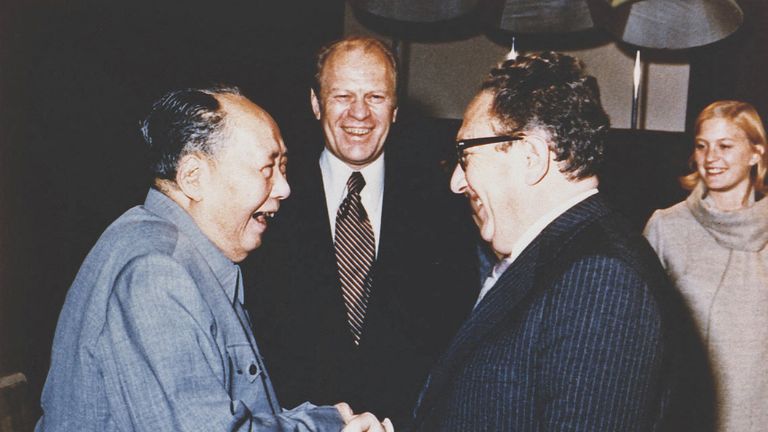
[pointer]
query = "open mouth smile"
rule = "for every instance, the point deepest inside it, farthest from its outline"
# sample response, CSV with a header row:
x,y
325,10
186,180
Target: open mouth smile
x,y
358,131
263,216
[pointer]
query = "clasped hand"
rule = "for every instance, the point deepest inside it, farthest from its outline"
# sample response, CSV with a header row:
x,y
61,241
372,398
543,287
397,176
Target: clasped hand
x,y
362,422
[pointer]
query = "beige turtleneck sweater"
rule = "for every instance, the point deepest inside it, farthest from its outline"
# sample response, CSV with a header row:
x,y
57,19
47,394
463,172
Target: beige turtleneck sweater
x,y
719,261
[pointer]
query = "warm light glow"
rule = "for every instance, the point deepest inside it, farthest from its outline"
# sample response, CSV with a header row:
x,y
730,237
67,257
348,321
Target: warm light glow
x,y
636,75
512,54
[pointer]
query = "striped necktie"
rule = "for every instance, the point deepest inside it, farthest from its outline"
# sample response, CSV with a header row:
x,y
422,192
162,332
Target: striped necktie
x,y
355,253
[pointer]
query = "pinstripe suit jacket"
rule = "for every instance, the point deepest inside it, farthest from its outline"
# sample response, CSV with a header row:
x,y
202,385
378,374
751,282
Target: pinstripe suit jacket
x,y
581,333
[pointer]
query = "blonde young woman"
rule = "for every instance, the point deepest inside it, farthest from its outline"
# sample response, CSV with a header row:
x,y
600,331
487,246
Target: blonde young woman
x,y
713,245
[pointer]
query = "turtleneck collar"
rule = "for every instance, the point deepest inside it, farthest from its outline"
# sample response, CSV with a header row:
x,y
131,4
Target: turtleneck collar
x,y
744,229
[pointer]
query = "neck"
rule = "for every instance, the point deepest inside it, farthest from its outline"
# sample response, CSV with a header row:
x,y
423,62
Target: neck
x,y
543,198
734,199
172,191
554,190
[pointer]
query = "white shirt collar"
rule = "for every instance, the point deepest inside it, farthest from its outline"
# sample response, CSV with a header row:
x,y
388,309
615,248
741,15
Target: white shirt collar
x,y
528,236
335,175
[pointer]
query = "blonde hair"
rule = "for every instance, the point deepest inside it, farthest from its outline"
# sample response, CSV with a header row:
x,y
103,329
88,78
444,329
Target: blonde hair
x,y
744,116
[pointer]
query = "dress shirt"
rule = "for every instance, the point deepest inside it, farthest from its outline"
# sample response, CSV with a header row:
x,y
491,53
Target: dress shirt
x,y
153,336
528,236
335,175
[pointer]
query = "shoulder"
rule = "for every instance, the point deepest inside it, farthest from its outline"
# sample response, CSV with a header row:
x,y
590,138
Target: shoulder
x,y
675,214
614,238
607,285
606,253
138,231
139,248
606,278
669,226
156,280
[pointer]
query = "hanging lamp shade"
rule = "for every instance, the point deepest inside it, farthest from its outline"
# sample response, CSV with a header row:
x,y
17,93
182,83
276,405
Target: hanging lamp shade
x,y
669,24
416,11
545,16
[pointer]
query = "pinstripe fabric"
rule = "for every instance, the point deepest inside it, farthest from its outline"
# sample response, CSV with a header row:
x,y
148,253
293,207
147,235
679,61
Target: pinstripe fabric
x,y
355,252
579,334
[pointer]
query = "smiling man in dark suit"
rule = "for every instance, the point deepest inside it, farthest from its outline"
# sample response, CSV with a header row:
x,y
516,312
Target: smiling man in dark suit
x,y
577,327
369,268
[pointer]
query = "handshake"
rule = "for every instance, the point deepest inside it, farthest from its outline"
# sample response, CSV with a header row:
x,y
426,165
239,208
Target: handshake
x,y
362,422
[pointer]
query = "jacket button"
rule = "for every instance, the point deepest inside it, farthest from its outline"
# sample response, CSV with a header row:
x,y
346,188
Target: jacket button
x,y
252,369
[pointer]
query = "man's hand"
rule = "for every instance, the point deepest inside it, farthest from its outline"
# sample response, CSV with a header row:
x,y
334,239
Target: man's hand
x,y
362,422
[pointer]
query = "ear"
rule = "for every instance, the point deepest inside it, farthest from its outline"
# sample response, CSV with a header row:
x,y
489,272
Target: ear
x,y
315,103
190,174
394,115
537,158
757,155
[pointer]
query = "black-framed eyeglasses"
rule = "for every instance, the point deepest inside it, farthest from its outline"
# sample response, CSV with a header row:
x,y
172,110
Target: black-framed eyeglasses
x,y
462,145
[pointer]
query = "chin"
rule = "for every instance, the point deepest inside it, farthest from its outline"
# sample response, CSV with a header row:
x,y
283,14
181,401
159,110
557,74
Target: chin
x,y
359,160
720,186
253,246
487,236
359,151
502,245
246,249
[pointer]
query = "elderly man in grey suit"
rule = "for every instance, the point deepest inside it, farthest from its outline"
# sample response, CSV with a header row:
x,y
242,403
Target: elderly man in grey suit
x,y
577,327
153,335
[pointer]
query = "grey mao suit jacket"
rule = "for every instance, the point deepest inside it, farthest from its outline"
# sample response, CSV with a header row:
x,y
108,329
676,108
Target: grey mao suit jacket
x,y
153,337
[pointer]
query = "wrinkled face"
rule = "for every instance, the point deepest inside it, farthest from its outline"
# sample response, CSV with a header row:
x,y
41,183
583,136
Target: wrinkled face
x,y
724,156
493,178
245,180
356,105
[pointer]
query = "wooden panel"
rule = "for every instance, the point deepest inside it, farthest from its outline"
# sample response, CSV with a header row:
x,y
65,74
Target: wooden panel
x,y
14,411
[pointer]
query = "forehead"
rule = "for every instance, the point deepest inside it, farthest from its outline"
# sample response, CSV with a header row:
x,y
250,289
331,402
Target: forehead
x,y
358,66
721,127
478,120
249,128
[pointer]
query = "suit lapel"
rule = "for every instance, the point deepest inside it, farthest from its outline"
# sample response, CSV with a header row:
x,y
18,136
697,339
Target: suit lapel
x,y
312,232
511,288
385,304
393,310
313,212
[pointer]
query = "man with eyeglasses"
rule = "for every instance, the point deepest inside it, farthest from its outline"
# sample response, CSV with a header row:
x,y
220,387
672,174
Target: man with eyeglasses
x,y
577,327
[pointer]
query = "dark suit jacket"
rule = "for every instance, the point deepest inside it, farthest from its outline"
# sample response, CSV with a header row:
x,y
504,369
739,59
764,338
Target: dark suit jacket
x,y
583,332
424,284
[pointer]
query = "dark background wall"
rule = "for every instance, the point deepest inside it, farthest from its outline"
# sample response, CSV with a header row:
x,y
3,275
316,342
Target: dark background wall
x,y
76,77
735,68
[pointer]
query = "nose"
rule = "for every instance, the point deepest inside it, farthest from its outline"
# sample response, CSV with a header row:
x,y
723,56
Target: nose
x,y
359,109
711,154
458,180
280,188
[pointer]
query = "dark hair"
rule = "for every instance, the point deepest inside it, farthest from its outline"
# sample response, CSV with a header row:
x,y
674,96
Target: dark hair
x,y
183,122
348,44
552,91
